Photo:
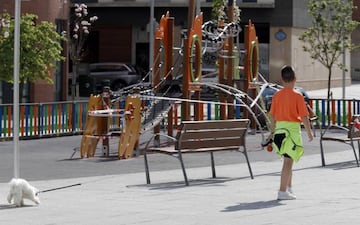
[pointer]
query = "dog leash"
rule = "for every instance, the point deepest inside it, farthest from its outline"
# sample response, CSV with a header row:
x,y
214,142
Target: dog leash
x,y
58,188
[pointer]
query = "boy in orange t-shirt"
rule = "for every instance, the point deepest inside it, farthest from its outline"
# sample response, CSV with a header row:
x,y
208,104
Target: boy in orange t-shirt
x,y
288,110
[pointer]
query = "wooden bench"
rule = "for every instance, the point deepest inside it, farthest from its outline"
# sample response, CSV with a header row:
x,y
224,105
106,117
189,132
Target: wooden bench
x,y
204,136
349,135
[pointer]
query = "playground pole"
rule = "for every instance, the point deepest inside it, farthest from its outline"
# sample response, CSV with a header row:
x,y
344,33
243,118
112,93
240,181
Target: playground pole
x,y
185,106
230,64
169,64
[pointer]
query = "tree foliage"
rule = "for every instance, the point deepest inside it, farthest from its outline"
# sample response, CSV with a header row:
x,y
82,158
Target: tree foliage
x,y
220,9
40,49
80,27
329,36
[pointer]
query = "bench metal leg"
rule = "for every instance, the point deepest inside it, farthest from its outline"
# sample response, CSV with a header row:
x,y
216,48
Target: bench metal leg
x,y
356,158
358,148
248,162
146,168
322,153
183,168
77,149
212,165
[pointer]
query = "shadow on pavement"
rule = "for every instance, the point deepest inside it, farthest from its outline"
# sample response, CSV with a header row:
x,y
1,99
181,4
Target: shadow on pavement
x,y
342,165
12,206
253,206
220,180
193,182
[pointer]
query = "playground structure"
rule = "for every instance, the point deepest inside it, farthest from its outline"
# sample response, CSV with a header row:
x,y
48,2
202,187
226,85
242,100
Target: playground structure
x,y
145,109
97,127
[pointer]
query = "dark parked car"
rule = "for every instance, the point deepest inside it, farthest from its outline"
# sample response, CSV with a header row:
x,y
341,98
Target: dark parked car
x,y
92,77
119,75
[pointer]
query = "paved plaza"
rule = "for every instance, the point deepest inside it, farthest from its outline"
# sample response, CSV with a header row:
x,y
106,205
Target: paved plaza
x,y
326,195
110,191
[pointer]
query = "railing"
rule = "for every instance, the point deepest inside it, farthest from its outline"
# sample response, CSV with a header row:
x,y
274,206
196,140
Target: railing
x,y
68,118
341,110
48,119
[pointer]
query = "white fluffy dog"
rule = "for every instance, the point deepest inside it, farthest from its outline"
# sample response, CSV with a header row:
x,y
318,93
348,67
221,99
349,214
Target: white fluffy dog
x,y
20,189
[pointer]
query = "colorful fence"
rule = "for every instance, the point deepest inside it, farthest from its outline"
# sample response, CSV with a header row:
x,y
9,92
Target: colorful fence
x,y
47,119
341,110
68,118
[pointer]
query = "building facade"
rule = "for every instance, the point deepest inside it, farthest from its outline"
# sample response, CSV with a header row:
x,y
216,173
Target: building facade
x,y
355,55
121,34
55,11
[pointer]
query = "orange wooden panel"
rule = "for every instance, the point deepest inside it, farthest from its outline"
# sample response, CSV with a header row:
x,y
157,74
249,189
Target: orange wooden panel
x,y
9,120
36,119
22,120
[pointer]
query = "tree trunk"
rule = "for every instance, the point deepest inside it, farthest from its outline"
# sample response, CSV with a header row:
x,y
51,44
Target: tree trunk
x,y
73,80
328,96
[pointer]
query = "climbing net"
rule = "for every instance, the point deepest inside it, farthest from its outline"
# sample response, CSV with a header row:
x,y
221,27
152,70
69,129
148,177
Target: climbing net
x,y
214,35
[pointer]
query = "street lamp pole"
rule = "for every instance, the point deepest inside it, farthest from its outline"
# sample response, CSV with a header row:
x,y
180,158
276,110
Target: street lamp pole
x,y
16,87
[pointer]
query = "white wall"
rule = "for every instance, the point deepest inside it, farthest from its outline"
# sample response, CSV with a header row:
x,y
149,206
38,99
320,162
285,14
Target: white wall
x,y
310,73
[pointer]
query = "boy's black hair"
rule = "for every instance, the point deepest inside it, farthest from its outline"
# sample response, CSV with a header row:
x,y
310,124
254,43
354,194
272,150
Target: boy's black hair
x,y
287,74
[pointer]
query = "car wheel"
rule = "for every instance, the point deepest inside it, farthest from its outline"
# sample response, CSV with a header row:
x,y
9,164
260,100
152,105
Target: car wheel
x,y
118,85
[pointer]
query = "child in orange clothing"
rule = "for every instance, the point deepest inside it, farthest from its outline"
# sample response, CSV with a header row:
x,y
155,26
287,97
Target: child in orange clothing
x,y
288,110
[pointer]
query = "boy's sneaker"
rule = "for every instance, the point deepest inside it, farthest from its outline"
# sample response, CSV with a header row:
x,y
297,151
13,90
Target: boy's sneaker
x,y
289,189
284,195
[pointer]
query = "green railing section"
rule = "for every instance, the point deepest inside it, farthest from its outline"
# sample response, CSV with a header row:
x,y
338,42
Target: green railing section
x,y
68,118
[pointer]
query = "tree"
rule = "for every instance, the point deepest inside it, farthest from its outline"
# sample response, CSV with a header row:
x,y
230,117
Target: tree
x,y
220,8
80,26
4,28
40,49
329,36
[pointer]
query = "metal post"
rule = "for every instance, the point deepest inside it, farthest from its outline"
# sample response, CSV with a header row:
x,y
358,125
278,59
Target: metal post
x,y
198,7
344,58
343,71
151,40
16,87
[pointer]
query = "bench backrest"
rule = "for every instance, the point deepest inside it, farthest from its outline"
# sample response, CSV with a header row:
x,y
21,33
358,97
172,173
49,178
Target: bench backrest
x,y
354,130
212,134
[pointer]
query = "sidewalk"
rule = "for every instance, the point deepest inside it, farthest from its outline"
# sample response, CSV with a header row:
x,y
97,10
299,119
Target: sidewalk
x,y
327,195
352,91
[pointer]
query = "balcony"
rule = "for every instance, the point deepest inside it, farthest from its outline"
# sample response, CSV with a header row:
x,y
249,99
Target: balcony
x,y
171,3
